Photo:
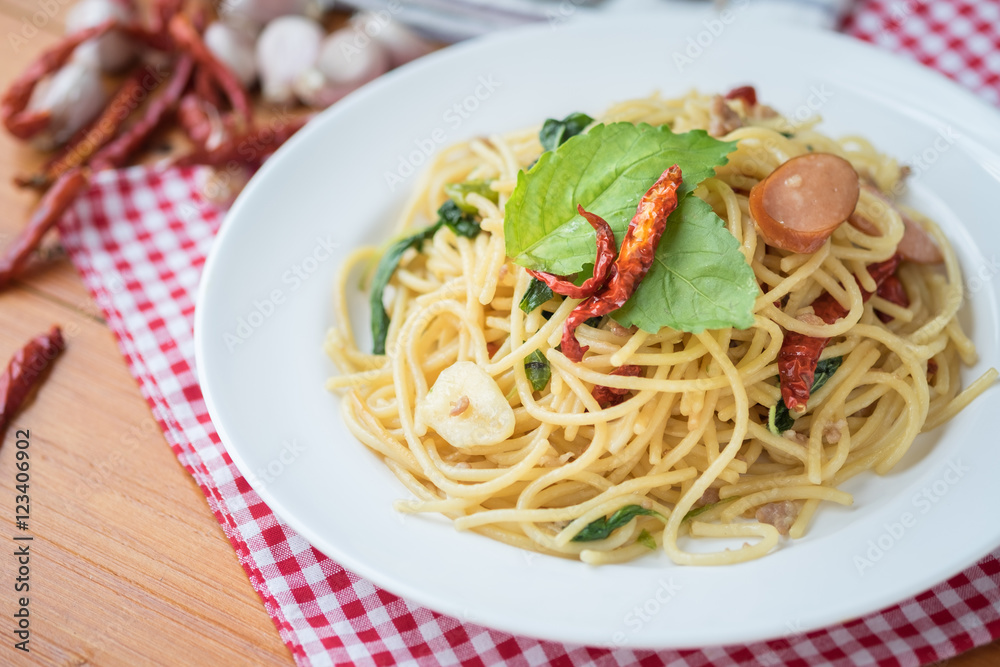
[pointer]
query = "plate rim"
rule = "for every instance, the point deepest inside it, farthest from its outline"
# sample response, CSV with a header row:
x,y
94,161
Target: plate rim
x,y
411,591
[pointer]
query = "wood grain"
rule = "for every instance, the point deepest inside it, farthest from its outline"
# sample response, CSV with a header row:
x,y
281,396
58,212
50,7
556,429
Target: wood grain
x,y
128,564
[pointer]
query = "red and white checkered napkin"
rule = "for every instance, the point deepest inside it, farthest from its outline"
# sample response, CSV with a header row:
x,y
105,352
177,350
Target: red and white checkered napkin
x,y
139,238
960,38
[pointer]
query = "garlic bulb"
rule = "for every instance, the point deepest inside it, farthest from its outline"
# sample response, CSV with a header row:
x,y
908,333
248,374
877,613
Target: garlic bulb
x,y
260,12
112,51
287,47
402,44
235,49
341,67
74,96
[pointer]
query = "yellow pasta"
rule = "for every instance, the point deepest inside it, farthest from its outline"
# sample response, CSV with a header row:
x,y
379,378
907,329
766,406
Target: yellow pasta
x,y
690,450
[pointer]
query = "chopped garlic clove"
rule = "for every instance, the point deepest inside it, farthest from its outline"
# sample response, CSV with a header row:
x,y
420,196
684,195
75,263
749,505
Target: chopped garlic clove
x,y
485,418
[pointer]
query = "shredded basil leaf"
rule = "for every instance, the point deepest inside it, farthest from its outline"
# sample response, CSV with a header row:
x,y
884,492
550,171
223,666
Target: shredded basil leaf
x,y
459,191
536,294
779,418
460,222
448,215
536,367
704,508
646,540
601,529
555,132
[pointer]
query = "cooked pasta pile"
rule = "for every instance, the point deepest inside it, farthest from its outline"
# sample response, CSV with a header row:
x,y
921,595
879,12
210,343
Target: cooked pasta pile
x,y
689,452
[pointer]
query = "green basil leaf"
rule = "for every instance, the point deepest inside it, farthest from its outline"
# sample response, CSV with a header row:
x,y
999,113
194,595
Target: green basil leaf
x,y
601,529
555,132
779,417
646,540
699,279
449,214
536,367
536,294
606,170
383,274
460,222
458,192
704,508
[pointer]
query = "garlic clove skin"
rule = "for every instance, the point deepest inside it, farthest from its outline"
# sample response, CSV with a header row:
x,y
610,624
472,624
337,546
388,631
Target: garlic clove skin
x,y
401,43
341,68
344,63
74,96
112,51
287,47
261,12
313,89
235,49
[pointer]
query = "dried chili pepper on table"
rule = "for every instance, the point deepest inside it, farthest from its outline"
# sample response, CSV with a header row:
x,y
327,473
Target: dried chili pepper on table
x,y
249,148
24,371
189,41
25,124
602,264
53,204
799,353
98,132
608,397
118,151
634,258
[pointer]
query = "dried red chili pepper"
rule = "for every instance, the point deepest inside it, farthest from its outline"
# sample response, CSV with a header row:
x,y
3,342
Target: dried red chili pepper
x,y
98,132
116,153
189,41
634,258
54,202
194,119
249,148
892,290
608,397
205,88
746,93
799,353
602,265
25,124
24,371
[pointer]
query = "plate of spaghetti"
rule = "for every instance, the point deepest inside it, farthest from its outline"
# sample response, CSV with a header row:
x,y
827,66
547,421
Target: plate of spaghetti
x,y
620,347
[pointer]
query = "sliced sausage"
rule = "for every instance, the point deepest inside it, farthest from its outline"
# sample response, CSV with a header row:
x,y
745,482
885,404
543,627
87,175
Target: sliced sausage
x,y
799,205
915,246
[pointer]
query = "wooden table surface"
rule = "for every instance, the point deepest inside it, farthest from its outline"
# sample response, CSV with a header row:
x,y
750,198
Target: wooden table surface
x,y
127,565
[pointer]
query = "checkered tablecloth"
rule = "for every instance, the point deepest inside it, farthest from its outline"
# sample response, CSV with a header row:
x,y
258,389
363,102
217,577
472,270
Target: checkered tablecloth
x,y
140,237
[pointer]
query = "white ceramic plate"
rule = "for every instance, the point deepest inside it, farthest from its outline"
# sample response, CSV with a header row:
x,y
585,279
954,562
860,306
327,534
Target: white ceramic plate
x,y
265,306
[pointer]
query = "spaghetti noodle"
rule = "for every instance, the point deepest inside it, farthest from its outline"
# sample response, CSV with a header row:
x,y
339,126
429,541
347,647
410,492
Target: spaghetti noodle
x,y
688,446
